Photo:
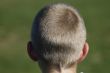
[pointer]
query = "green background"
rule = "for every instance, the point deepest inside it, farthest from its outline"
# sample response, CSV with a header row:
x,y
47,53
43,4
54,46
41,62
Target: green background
x,y
16,18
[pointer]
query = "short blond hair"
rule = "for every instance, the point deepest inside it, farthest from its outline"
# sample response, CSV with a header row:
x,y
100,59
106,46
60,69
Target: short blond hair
x,y
58,34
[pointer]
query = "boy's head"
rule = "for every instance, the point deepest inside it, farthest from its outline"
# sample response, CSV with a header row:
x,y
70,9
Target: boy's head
x,y
58,37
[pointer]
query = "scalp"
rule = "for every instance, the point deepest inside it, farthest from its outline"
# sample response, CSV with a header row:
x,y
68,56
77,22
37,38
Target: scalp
x,y
58,34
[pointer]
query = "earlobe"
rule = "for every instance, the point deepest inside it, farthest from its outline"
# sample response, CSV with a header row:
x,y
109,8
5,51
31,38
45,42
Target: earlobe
x,y
31,52
84,52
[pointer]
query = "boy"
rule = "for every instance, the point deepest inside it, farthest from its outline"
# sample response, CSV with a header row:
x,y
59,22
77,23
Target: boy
x,y
58,39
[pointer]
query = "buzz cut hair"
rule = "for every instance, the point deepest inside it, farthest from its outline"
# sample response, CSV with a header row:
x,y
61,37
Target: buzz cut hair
x,y
58,34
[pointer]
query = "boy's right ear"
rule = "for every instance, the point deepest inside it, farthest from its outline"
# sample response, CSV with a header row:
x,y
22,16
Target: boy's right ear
x,y
84,52
31,52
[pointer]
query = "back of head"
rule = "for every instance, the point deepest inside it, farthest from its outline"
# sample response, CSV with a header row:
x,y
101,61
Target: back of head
x,y
58,34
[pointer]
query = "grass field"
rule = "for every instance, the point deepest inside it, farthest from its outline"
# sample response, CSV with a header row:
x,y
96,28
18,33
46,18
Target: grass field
x,y
16,18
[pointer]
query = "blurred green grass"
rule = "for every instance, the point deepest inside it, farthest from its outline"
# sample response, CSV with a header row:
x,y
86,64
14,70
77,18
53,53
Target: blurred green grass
x,y
16,18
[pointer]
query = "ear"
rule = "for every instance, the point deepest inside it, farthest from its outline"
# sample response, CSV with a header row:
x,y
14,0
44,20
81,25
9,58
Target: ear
x,y
31,52
84,52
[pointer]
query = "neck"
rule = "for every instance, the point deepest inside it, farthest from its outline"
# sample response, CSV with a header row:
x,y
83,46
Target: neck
x,y
62,70
57,69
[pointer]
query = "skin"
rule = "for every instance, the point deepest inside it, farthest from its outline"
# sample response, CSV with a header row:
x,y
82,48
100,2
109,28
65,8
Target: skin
x,y
49,68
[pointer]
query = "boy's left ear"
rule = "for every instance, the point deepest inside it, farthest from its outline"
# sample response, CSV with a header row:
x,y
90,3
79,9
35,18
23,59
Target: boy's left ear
x,y
31,52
